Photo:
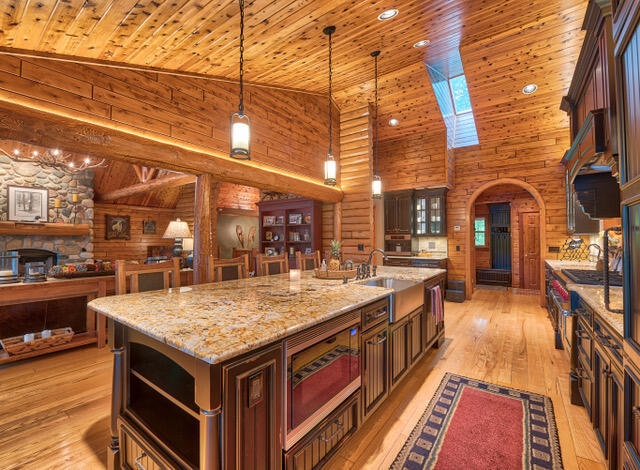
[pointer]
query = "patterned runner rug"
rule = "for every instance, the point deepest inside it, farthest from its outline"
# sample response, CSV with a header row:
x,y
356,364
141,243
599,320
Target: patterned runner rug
x,y
475,425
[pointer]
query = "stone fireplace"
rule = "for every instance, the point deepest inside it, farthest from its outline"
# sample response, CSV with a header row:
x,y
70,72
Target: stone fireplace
x,y
61,185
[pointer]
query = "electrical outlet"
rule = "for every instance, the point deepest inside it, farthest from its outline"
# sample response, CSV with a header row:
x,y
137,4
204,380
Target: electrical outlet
x,y
360,247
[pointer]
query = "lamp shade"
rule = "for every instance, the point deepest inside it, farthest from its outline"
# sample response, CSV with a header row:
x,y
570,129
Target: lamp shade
x,y
187,244
177,229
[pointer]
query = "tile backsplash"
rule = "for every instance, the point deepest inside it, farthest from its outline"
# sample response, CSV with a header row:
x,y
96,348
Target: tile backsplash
x,y
430,244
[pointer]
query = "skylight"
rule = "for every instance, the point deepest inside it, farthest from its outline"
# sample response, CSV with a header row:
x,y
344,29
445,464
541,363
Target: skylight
x,y
460,94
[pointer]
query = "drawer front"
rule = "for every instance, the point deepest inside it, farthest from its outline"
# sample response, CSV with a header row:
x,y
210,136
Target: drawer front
x,y
375,314
428,263
316,449
397,262
138,454
584,343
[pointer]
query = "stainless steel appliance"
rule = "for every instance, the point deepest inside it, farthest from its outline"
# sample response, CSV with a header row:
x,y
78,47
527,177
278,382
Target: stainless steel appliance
x,y
406,298
323,369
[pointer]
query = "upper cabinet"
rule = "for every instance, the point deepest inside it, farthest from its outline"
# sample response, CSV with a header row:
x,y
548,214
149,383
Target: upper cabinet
x,y
398,212
430,212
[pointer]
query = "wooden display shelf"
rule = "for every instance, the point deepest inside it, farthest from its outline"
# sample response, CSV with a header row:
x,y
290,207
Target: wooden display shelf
x,y
43,229
80,339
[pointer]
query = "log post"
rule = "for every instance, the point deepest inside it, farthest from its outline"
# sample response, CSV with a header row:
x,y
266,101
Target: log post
x,y
202,228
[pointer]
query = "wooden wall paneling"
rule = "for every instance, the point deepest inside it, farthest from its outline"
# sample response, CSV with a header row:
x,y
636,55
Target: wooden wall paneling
x,y
135,117
136,247
356,172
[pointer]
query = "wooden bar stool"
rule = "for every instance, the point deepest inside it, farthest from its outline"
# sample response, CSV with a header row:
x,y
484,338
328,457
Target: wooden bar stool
x,y
269,265
227,269
309,261
252,257
146,277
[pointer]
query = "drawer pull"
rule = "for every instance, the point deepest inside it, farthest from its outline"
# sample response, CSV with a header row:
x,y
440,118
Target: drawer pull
x,y
383,312
375,343
332,436
138,461
636,411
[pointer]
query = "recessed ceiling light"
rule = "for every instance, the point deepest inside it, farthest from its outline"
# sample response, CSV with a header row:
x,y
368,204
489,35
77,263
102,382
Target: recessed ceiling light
x,y
387,14
424,42
393,122
530,88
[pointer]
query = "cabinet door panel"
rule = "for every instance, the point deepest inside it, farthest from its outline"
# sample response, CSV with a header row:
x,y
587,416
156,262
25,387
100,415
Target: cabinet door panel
x,y
629,62
405,214
600,389
390,214
399,347
631,222
632,412
416,324
616,419
375,376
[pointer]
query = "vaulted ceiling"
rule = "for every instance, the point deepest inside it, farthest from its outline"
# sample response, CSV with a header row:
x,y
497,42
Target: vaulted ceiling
x,y
504,44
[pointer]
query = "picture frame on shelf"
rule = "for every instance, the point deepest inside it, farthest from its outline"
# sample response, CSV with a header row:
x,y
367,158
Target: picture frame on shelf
x,y
148,227
295,218
268,235
270,251
118,227
27,204
268,220
307,219
280,220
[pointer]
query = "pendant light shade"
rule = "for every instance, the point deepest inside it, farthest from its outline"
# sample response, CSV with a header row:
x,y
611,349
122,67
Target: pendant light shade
x,y
376,183
330,173
240,140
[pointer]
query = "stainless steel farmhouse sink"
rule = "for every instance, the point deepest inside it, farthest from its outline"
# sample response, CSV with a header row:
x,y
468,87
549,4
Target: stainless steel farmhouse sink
x,y
407,295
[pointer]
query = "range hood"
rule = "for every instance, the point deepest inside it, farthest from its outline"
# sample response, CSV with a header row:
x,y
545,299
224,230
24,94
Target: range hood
x,y
592,172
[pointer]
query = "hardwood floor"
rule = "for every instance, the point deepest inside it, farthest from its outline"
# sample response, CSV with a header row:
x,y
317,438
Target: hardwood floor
x,y
54,410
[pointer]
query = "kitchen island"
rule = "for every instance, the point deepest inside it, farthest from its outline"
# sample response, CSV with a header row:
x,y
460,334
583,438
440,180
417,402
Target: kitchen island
x,y
258,373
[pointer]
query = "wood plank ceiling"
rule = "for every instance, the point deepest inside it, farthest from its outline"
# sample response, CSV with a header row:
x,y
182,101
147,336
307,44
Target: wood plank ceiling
x,y
504,45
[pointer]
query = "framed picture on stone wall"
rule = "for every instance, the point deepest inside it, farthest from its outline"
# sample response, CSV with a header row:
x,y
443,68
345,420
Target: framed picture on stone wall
x,y
118,227
26,204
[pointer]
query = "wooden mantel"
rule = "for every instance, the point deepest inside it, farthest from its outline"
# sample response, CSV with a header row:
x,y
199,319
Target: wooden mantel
x,y
44,229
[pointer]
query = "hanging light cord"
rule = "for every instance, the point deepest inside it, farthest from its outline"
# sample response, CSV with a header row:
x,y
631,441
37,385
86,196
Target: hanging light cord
x,y
376,100
241,106
330,113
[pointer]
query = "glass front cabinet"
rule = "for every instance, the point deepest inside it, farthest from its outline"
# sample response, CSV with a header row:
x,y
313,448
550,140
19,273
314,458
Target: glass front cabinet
x,y
429,208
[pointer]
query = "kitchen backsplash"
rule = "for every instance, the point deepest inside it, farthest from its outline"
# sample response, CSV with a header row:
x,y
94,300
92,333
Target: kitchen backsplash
x,y
429,244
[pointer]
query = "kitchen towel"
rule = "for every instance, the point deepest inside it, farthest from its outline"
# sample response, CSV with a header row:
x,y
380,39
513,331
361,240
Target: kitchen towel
x,y
437,307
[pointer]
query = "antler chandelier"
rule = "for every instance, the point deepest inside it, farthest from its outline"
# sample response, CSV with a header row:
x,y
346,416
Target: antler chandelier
x,y
55,159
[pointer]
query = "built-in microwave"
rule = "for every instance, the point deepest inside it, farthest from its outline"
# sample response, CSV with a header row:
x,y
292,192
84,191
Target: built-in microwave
x,y
323,369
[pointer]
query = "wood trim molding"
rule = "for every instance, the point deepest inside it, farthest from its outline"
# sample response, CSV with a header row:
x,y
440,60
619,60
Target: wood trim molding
x,y
42,123
469,245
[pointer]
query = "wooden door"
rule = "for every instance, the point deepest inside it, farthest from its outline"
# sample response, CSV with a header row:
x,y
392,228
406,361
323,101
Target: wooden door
x,y
405,214
252,412
399,349
530,250
375,366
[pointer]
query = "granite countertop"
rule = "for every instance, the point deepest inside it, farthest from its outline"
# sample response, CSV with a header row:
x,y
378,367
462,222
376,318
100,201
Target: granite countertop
x,y
594,297
218,321
558,265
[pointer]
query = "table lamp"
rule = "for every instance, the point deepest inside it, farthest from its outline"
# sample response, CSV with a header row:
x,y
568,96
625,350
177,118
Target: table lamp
x,y
177,229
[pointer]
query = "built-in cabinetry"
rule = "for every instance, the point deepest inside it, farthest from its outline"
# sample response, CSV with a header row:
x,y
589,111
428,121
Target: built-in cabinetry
x,y
398,212
599,365
626,33
414,262
430,212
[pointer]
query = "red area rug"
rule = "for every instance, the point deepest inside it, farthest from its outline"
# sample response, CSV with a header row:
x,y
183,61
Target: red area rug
x,y
475,425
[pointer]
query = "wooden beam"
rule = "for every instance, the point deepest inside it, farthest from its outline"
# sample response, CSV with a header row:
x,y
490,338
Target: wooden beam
x,y
202,228
42,123
237,212
152,185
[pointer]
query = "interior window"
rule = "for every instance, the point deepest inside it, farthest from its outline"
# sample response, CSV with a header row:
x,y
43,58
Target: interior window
x,y
480,227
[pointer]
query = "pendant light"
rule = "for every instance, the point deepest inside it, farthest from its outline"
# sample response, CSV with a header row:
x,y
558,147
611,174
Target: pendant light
x,y
376,184
240,123
330,163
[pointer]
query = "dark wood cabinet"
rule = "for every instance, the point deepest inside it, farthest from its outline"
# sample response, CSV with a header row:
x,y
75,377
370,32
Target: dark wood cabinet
x,y
252,398
315,449
398,212
600,411
416,335
615,404
432,329
430,212
399,358
375,367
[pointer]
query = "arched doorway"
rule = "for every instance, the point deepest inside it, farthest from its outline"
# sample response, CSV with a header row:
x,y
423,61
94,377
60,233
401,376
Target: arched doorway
x,y
469,238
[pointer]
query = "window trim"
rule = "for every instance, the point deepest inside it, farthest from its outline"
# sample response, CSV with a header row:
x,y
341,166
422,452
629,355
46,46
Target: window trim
x,y
485,218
